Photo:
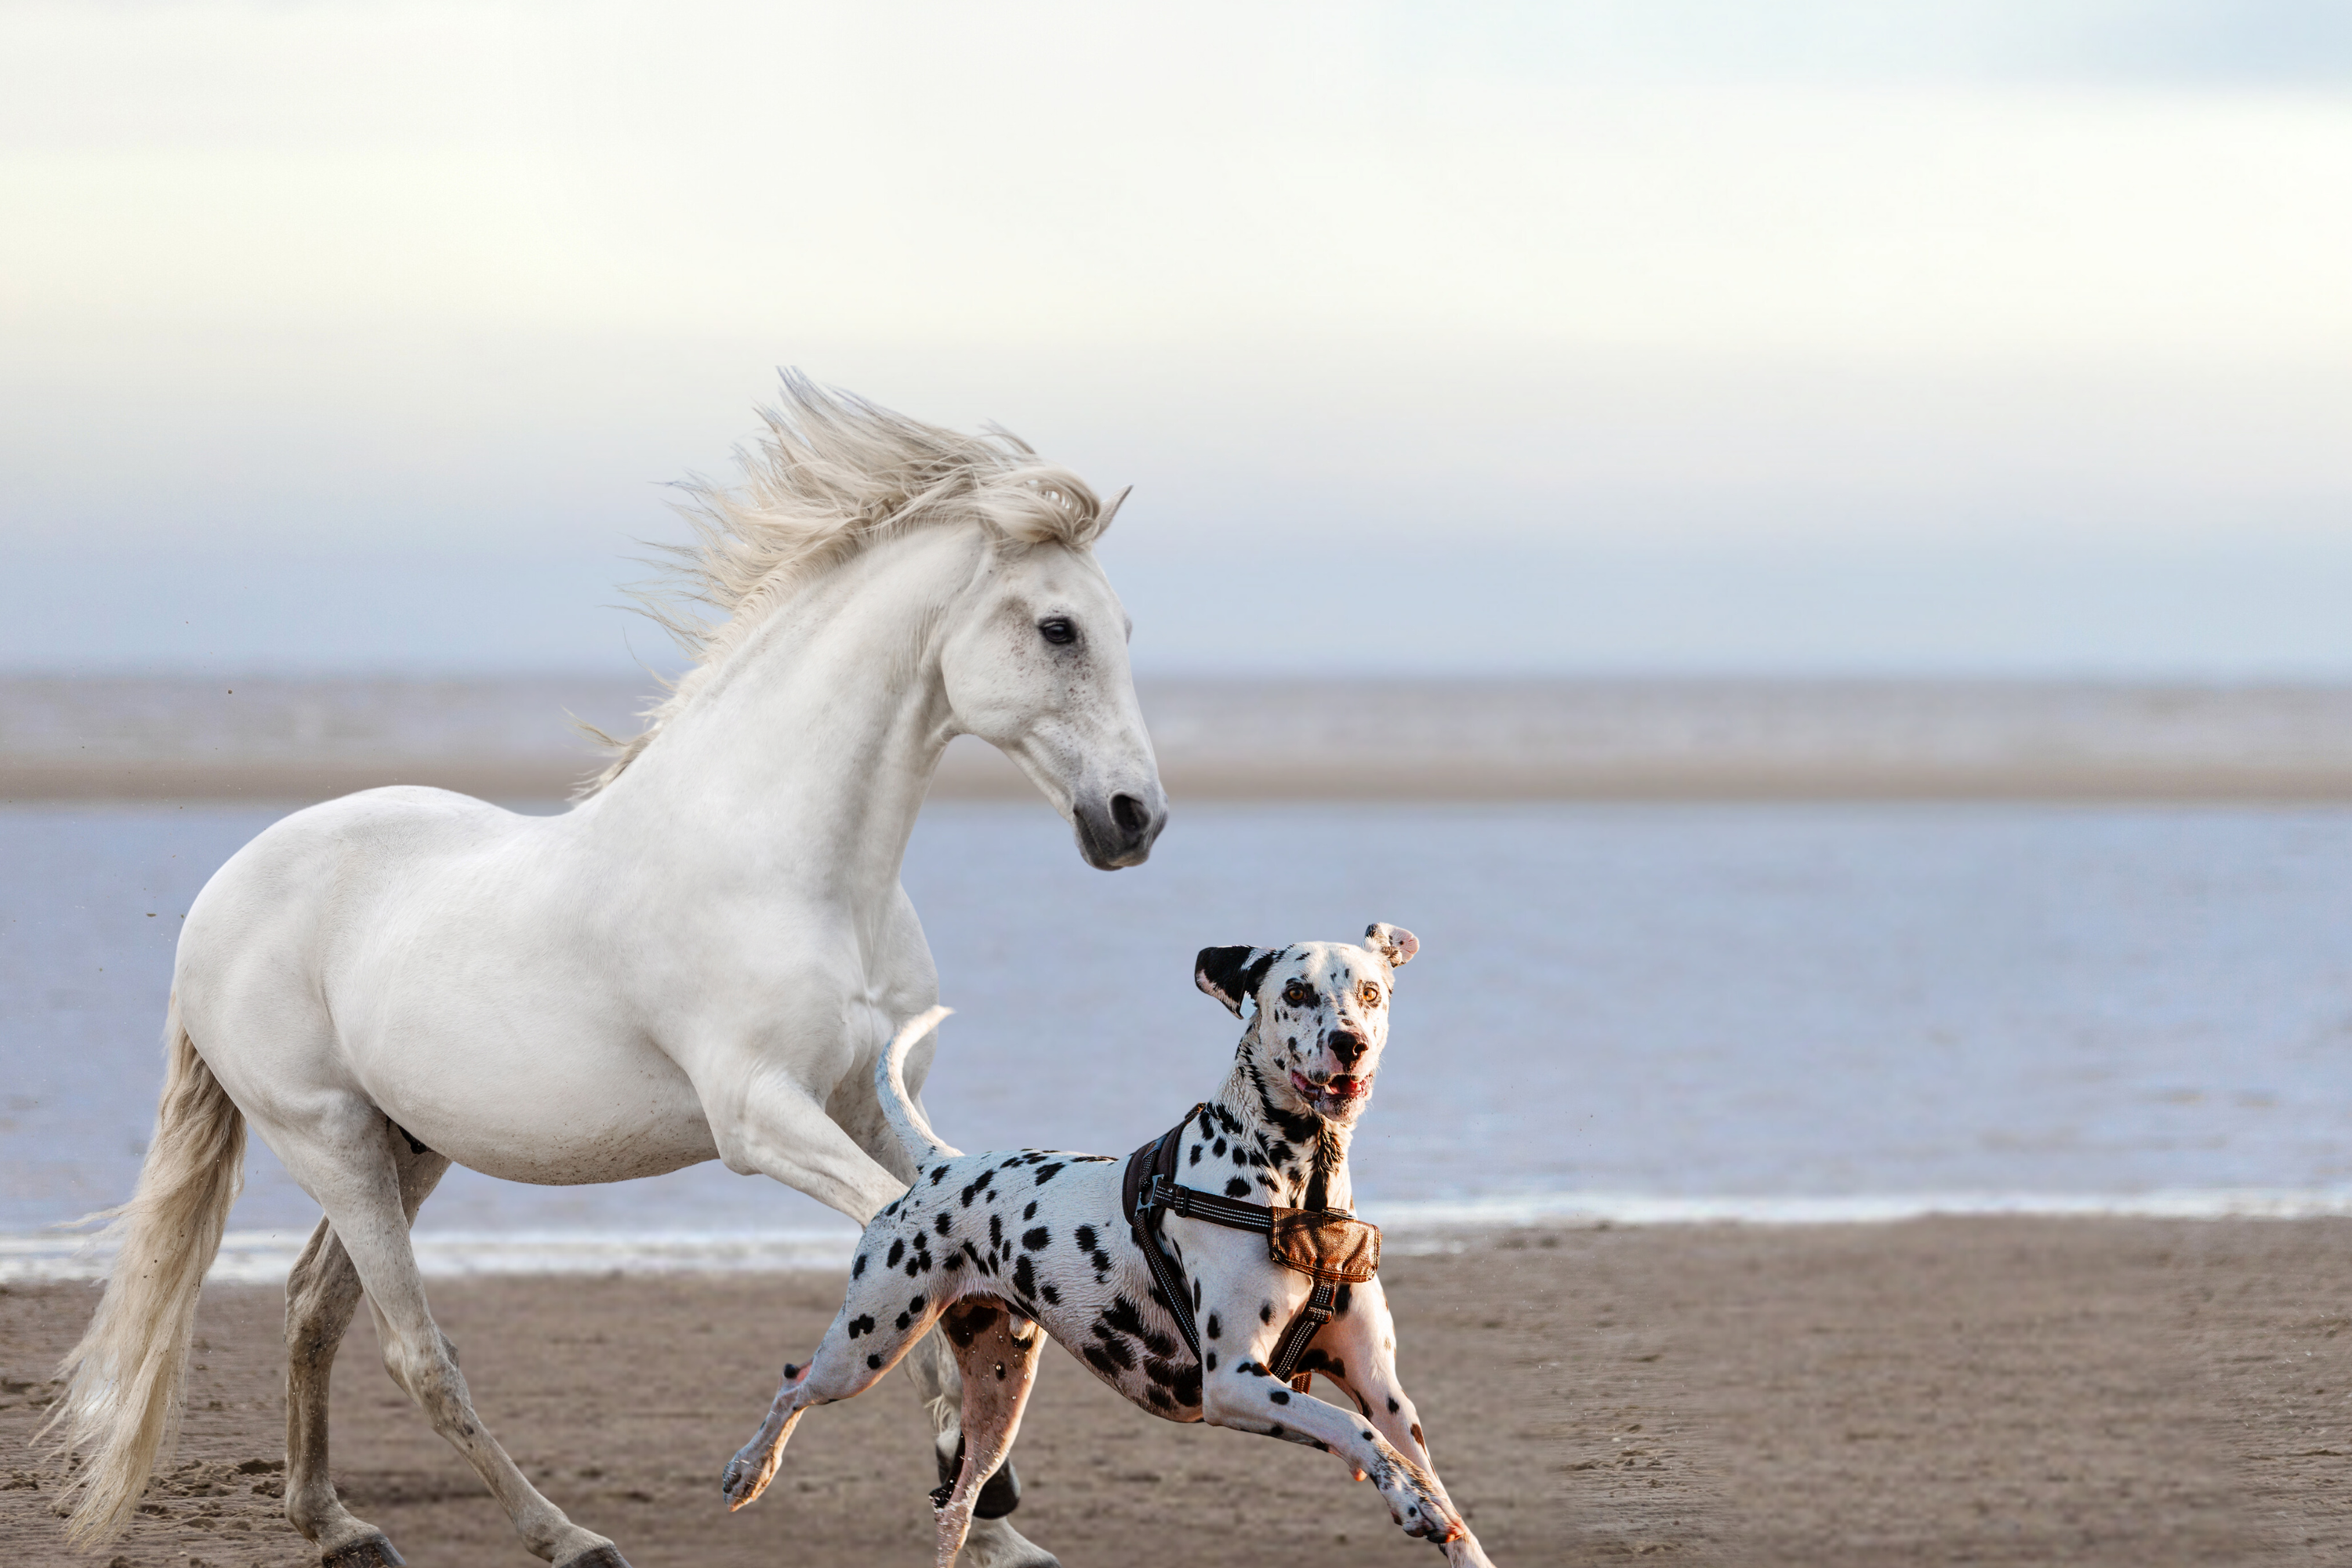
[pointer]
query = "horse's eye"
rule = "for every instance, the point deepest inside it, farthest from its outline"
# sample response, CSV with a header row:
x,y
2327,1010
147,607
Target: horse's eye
x,y
1368,994
1057,631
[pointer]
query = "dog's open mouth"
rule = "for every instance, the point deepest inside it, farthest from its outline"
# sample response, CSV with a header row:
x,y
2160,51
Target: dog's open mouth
x,y
1332,1094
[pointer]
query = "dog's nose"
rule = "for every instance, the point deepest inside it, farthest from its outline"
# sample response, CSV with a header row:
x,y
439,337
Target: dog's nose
x,y
1347,1045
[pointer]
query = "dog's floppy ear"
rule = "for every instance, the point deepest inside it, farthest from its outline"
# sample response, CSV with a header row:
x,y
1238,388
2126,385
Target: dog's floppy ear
x,y
1231,973
1392,942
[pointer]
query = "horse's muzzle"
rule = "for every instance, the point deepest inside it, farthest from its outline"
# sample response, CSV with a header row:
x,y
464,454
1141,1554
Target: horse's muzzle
x,y
1118,829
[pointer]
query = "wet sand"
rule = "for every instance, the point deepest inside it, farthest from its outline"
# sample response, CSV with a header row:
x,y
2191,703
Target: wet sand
x,y
1990,1391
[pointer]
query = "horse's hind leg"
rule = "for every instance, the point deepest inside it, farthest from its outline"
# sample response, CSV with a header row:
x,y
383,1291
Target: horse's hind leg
x,y
348,1166
321,1294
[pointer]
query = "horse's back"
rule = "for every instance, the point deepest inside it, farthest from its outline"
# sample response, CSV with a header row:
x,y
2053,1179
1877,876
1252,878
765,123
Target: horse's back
x,y
329,867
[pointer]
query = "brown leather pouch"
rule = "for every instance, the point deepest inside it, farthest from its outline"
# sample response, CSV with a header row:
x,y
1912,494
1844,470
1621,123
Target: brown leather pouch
x,y
1325,1243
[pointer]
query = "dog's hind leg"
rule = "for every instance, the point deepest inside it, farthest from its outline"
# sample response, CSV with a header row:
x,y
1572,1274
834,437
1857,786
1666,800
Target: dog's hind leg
x,y
859,1349
993,1542
996,1353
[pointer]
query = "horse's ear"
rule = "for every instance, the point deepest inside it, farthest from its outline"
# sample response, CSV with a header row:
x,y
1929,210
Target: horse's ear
x,y
1231,975
1102,523
1392,942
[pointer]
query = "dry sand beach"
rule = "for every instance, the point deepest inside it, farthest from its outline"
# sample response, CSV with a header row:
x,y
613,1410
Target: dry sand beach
x,y
1993,1391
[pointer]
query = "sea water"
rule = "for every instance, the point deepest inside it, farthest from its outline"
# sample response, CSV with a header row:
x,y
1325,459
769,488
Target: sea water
x,y
1638,1012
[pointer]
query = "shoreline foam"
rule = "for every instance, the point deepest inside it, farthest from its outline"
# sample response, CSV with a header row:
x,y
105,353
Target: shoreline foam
x,y
1415,1228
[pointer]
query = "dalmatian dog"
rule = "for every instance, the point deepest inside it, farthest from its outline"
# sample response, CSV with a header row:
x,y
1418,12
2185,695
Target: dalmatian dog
x,y
1009,1246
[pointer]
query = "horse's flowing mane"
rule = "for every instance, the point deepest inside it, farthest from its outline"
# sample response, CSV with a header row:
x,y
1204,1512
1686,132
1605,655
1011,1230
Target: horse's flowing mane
x,y
831,475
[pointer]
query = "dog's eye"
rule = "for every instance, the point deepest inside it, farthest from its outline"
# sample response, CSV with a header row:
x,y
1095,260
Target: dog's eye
x,y
1368,994
1296,993
1057,631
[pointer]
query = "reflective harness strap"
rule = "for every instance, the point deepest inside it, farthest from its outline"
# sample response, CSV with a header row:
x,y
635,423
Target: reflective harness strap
x,y
1152,1190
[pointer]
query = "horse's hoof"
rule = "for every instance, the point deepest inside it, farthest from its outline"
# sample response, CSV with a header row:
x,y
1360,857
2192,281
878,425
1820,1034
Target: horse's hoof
x,y
995,1543
367,1552
596,1557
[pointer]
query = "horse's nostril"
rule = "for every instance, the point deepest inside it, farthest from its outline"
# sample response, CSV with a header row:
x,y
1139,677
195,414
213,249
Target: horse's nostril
x,y
1129,813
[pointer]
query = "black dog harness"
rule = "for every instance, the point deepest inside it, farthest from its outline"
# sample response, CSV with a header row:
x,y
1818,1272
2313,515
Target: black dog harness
x,y
1332,1246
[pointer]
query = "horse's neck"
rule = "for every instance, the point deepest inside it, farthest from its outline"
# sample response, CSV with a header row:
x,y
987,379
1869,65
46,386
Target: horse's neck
x,y
801,762
1294,1146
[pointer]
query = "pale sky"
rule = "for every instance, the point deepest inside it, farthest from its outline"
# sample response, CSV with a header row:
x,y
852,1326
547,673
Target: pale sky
x,y
1654,335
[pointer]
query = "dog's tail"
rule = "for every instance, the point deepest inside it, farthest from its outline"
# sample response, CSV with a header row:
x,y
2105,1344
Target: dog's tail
x,y
906,1117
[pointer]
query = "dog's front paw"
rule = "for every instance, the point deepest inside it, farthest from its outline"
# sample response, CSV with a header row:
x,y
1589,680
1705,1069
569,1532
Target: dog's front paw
x,y
1422,1516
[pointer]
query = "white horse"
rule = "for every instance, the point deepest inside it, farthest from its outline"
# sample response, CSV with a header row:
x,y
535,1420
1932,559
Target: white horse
x,y
700,960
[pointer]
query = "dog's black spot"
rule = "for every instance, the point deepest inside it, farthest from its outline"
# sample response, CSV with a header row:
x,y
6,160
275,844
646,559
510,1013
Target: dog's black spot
x,y
995,1230
1278,1153
1084,1238
1367,1437
937,1172
1280,1395
1101,1261
1220,1148
1163,1373
1159,1398
1209,1360
1215,1328
1266,1312
1342,1300
940,1222
857,1267
874,1360
1393,1405
1101,1360
1031,1212
1025,1278
1053,1297
1277,1431
952,1260
917,1264
1248,1369
1047,1173
1238,1187
1035,1237
1114,1347
1195,1158
903,1321
917,1304
861,1324
898,1251
1329,1365
894,1206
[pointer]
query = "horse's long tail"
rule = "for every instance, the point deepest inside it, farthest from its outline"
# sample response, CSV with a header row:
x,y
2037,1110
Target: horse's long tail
x,y
126,1379
906,1117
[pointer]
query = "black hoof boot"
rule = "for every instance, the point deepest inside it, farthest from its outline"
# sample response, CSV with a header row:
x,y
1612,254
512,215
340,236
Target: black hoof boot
x,y
367,1552
999,1495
